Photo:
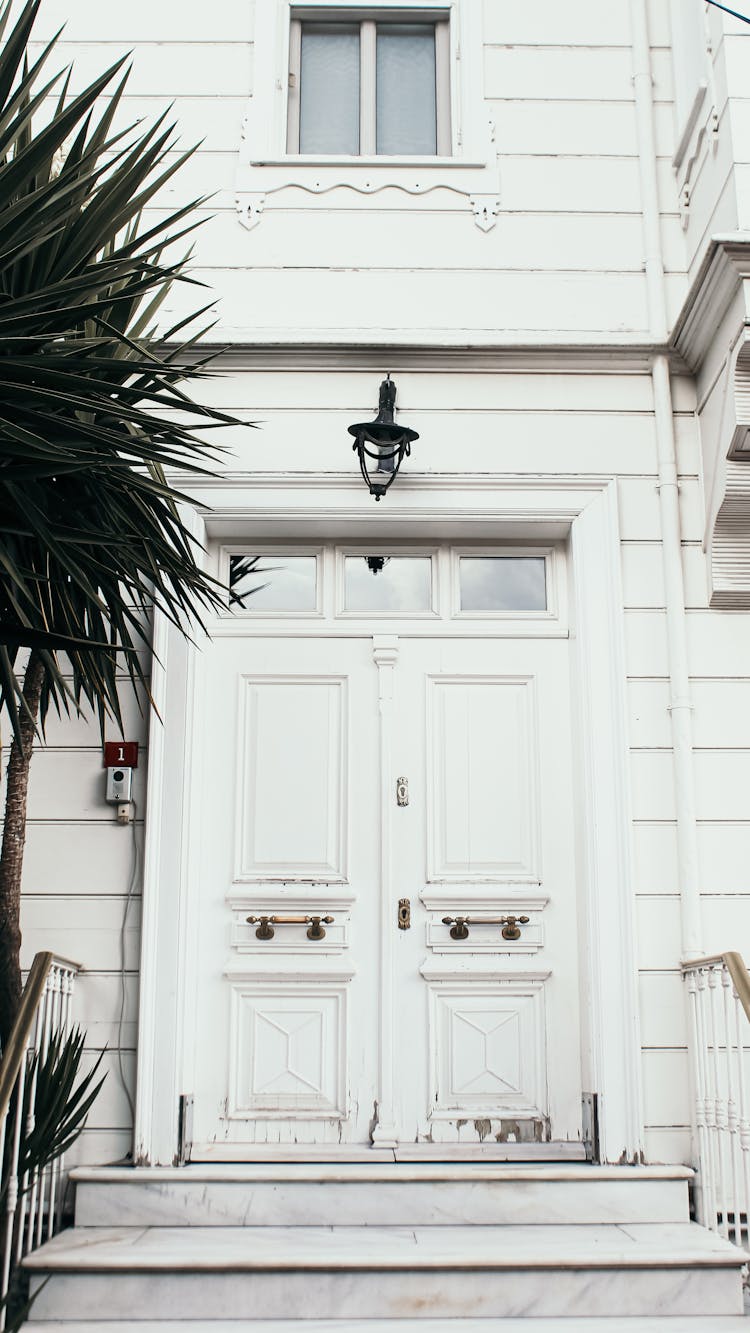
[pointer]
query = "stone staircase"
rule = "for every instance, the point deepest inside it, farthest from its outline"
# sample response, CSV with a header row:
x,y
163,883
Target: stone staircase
x,y
386,1248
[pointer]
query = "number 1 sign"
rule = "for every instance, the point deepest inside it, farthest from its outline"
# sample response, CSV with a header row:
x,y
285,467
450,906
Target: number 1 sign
x,y
122,754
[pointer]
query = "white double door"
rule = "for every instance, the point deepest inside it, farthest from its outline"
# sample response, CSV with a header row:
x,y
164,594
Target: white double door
x,y
386,782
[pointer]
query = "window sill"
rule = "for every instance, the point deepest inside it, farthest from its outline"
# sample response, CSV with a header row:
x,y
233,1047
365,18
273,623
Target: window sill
x,y
360,163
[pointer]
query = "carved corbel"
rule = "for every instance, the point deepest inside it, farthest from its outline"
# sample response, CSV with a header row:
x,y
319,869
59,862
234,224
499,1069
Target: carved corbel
x,y
485,208
249,208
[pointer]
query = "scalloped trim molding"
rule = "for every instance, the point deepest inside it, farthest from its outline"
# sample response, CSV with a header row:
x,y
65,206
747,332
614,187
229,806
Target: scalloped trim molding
x,y
478,182
251,203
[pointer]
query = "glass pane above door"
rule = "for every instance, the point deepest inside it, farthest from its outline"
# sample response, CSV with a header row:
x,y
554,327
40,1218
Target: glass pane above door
x,y
502,583
399,583
277,582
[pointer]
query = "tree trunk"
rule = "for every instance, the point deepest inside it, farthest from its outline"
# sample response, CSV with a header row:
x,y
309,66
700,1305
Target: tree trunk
x,y
11,856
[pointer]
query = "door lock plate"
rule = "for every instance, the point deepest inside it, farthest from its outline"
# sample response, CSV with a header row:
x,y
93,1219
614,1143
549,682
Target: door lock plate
x,y
402,791
404,913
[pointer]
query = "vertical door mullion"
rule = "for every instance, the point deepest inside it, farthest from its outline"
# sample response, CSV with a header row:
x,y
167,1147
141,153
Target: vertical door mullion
x,y
367,88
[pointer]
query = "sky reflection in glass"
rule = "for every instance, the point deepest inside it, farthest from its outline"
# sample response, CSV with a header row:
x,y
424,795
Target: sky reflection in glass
x,y
402,585
503,583
273,582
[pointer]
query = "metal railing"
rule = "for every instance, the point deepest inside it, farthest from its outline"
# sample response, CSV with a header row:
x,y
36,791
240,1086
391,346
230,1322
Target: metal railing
x,y
33,1201
719,1003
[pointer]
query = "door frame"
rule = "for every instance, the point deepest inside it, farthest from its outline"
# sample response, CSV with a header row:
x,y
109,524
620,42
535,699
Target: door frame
x,y
459,509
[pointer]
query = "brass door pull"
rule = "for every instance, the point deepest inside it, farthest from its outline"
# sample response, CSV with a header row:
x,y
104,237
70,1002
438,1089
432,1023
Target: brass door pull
x,y
511,925
265,924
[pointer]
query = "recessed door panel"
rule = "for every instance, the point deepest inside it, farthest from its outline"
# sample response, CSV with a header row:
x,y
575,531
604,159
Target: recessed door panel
x,y
288,1054
292,746
482,762
489,1048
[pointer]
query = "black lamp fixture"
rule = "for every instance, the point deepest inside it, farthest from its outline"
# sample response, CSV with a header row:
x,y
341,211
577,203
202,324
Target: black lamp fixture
x,y
382,442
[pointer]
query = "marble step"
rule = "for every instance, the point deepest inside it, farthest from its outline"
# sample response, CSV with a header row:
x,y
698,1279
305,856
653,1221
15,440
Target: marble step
x,y
336,1273
378,1195
607,1324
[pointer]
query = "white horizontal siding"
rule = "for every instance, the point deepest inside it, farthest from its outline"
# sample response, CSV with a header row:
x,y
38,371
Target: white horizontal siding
x,y
79,867
85,929
724,852
163,69
354,305
591,72
562,102
143,21
726,924
404,233
533,127
639,509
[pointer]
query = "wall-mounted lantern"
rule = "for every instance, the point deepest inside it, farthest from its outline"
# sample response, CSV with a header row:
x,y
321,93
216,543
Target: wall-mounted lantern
x,y
382,443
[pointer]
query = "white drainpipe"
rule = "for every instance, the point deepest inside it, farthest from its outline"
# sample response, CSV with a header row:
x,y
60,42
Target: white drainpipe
x,y
680,705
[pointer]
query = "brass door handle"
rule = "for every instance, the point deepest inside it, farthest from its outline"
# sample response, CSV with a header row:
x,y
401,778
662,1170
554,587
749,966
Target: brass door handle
x,y
265,924
511,925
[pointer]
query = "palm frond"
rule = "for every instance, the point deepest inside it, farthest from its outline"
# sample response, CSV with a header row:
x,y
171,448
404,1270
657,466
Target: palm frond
x,y
94,411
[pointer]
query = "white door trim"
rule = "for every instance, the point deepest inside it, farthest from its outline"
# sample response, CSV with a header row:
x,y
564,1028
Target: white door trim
x,y
587,510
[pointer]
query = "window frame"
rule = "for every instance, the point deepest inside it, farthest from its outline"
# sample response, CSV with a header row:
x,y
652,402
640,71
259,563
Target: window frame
x,y
367,21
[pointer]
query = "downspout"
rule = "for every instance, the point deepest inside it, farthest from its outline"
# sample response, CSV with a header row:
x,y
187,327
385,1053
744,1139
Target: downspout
x,y
680,705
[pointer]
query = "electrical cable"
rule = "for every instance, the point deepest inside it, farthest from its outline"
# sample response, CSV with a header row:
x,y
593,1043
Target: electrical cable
x,y
742,17
123,994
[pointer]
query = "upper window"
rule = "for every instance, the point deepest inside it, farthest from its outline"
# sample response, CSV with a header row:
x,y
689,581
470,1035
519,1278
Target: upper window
x,y
370,86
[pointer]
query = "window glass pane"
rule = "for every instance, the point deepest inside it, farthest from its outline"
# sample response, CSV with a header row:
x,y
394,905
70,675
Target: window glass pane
x,y
402,584
329,89
272,582
406,109
503,583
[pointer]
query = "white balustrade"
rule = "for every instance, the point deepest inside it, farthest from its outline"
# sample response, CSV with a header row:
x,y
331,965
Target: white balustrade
x,y
33,1202
719,1005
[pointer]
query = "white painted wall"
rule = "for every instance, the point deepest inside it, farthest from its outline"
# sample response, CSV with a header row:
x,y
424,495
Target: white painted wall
x,y
562,266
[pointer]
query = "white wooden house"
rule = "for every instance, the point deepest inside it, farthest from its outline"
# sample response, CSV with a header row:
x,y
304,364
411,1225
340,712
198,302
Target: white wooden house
x,y
536,219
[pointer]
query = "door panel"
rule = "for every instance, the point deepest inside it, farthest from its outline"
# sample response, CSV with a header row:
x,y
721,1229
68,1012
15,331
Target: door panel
x,y
292,778
490,1049
286,1023
482,754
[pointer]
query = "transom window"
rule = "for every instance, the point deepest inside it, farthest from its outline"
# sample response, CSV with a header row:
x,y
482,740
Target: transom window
x,y
445,582
369,86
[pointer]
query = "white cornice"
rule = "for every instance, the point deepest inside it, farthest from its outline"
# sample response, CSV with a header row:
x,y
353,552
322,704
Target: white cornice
x,y
499,355
725,266
419,482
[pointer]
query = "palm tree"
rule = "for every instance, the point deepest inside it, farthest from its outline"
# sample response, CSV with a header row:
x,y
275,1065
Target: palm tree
x,y
93,416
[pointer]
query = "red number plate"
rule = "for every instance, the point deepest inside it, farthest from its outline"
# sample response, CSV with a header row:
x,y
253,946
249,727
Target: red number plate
x,y
121,752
